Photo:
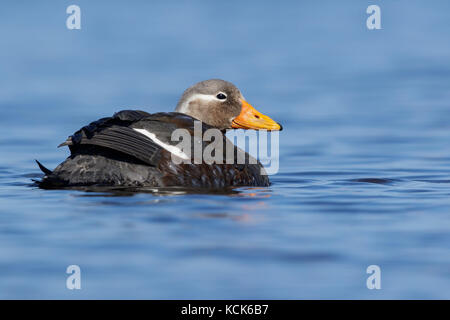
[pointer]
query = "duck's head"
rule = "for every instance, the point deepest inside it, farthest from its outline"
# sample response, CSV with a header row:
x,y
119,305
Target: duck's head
x,y
221,105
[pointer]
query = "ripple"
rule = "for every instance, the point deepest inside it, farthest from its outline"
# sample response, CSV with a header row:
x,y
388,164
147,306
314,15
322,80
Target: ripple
x,y
262,254
435,181
386,181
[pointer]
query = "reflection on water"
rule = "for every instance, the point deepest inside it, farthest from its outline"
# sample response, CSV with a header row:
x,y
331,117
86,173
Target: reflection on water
x,y
106,191
364,155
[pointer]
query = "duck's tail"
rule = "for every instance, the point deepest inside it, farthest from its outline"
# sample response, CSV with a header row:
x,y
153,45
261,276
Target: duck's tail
x,y
43,169
49,181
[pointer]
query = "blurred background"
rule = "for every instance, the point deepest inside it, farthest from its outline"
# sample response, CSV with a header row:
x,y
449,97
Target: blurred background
x,y
364,157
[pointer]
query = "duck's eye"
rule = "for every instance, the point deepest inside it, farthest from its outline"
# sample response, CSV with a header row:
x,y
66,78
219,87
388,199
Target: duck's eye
x,y
221,96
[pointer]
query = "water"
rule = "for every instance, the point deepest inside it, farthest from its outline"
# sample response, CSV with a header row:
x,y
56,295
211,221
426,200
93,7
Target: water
x,y
364,173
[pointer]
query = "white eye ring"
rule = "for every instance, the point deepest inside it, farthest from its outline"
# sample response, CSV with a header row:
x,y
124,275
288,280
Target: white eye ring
x,y
221,96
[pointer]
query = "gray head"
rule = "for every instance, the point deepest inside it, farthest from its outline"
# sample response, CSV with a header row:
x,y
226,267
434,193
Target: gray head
x,y
220,104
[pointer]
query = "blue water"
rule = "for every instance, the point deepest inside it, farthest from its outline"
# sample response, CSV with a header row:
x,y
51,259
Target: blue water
x,y
364,173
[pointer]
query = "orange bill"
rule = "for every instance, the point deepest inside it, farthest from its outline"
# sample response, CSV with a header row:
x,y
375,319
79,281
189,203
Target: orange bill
x,y
250,118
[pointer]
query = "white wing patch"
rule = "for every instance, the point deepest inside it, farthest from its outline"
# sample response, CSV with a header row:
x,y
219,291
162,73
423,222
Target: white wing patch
x,y
172,149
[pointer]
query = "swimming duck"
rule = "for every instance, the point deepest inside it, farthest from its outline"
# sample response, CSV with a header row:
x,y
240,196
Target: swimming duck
x,y
135,148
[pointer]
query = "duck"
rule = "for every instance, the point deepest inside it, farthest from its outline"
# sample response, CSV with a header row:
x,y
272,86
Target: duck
x,y
134,148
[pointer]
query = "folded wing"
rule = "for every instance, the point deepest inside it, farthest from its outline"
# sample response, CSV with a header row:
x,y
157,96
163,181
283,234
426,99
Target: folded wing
x,y
113,133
